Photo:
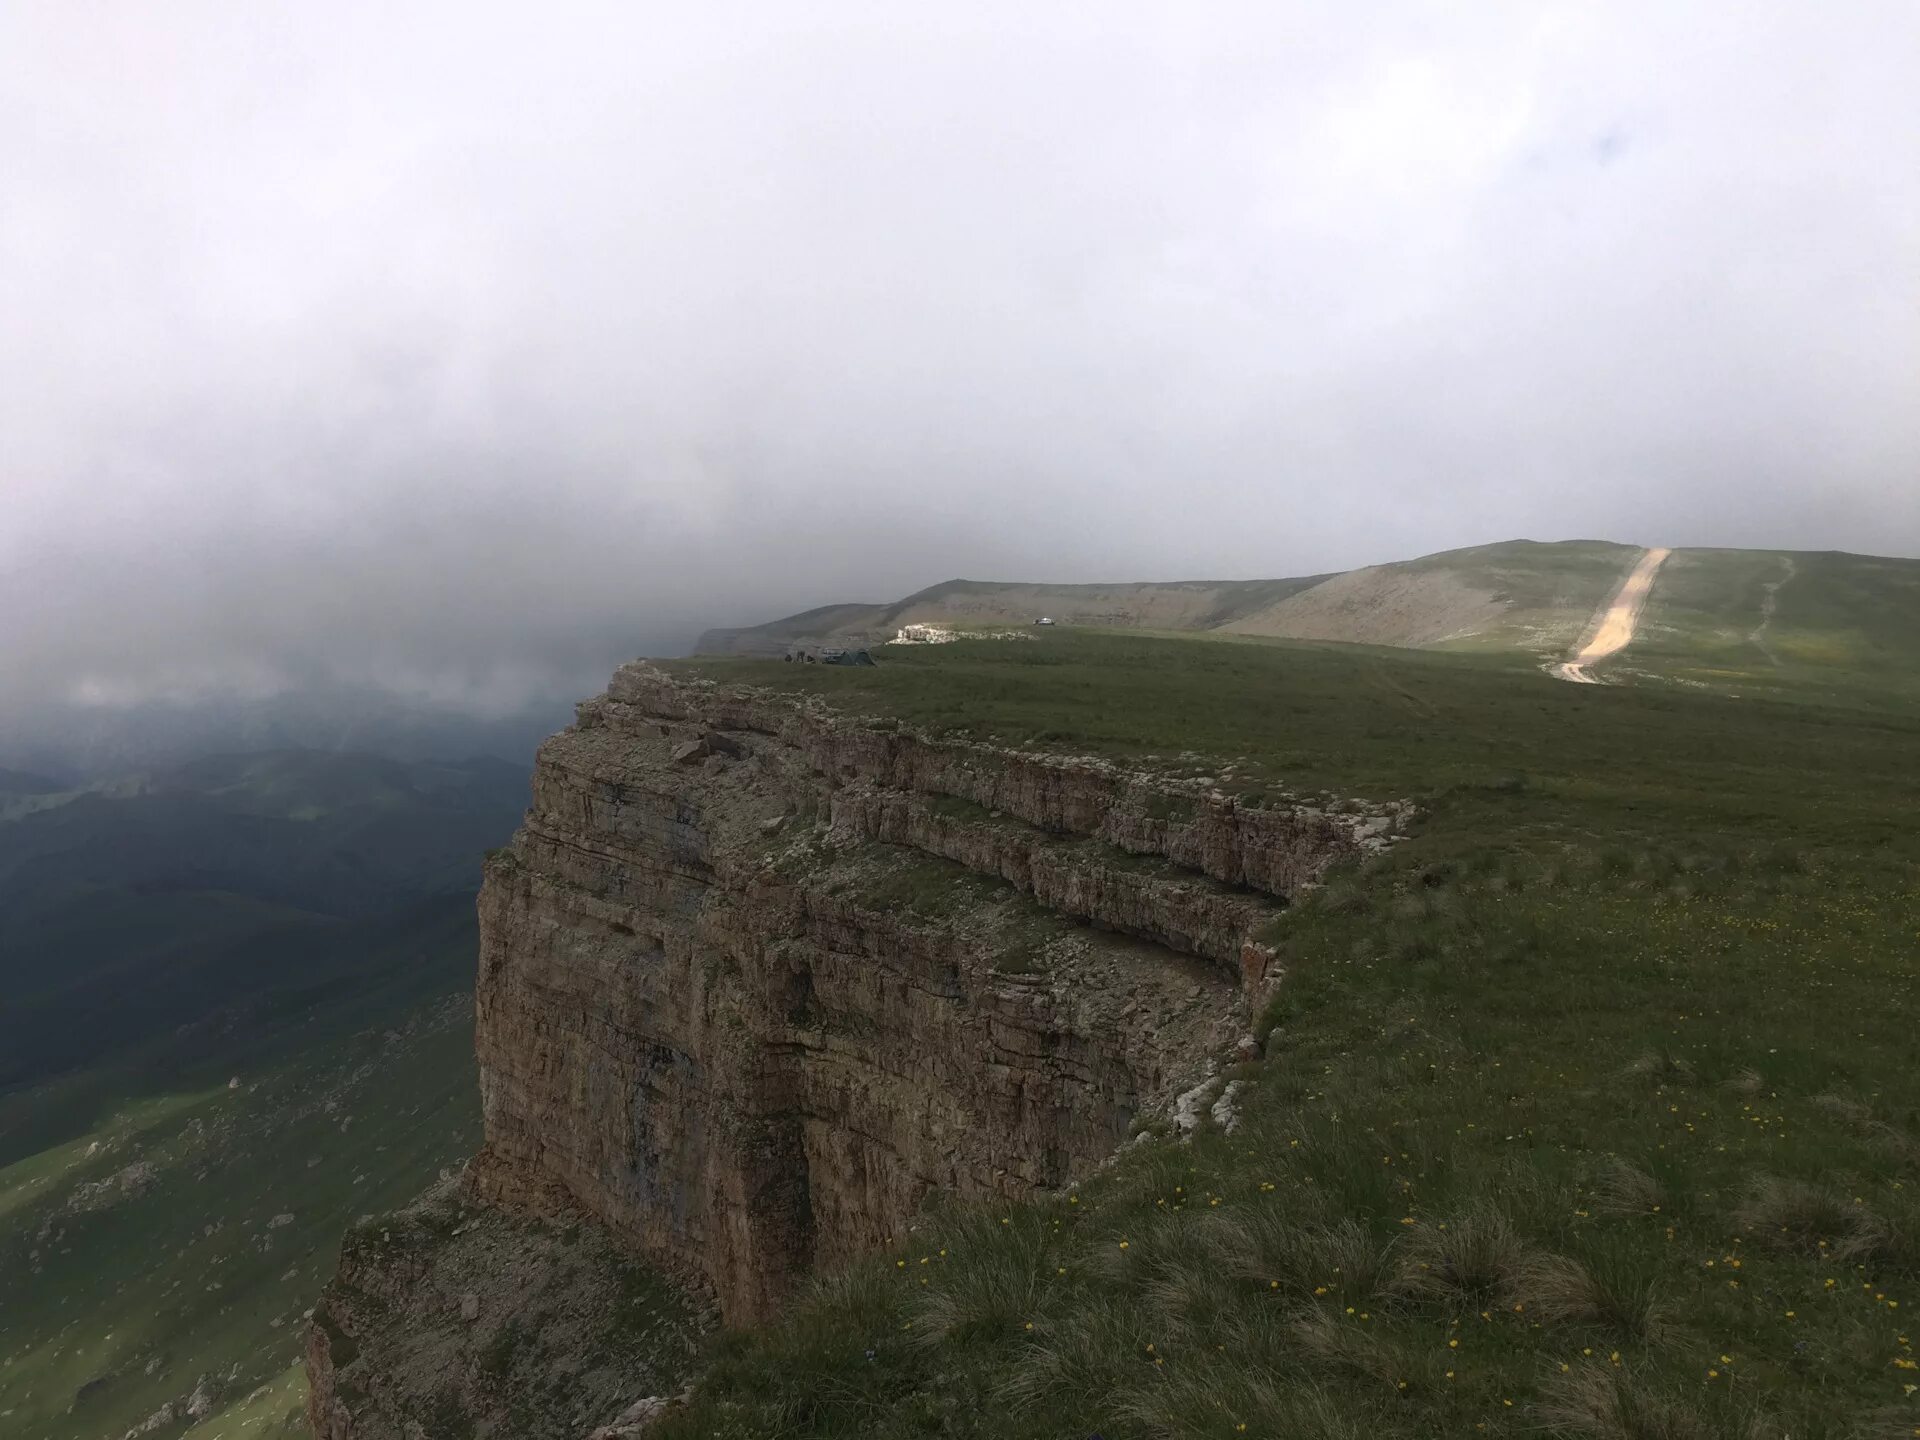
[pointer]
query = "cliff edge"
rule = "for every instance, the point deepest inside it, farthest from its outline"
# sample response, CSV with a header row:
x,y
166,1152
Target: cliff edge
x,y
757,977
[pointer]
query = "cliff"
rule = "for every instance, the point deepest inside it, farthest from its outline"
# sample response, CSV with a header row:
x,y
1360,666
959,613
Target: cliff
x,y
756,976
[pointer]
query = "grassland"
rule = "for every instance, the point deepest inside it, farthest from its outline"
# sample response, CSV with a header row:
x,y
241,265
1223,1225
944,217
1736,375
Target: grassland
x,y
1591,1110
172,1215
1823,627
235,1015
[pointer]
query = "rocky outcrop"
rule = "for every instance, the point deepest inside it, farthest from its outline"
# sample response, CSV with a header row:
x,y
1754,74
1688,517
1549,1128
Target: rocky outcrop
x,y
449,1318
757,976
744,986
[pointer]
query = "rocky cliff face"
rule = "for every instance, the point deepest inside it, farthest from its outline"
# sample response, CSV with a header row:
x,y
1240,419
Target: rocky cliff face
x,y
756,976
744,984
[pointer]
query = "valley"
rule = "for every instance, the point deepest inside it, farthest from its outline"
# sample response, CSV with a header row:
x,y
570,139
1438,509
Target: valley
x,y
235,998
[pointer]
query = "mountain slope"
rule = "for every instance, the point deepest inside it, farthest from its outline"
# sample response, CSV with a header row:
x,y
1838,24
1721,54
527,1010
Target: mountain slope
x,y
235,1014
1514,595
1795,624
131,909
1146,605
1800,624
169,1213
1517,593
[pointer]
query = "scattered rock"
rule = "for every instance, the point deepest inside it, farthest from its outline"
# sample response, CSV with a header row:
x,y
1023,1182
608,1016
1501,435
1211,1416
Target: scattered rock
x,y
206,1395
121,1185
1191,1104
640,1417
469,1307
158,1420
1225,1109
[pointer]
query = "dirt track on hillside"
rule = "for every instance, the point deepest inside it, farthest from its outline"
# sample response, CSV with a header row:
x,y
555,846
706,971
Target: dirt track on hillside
x,y
1613,630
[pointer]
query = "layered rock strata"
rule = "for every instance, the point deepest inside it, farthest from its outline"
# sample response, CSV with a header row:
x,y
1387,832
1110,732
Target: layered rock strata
x,y
756,976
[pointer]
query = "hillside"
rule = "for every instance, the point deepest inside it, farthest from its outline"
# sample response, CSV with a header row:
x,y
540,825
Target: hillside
x,y
1167,605
1587,1110
132,907
1519,593
1818,625
1184,1036
235,1015
168,1215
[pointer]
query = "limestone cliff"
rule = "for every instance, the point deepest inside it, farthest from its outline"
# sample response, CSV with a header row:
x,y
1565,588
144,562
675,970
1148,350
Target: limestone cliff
x,y
757,976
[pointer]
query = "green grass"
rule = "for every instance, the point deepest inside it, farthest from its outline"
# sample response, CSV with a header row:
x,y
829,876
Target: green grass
x,y
1490,737
1550,589
1845,629
351,1097
1591,1110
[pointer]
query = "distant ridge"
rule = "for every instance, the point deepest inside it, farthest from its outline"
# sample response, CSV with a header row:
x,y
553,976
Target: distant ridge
x,y
1437,599
1811,623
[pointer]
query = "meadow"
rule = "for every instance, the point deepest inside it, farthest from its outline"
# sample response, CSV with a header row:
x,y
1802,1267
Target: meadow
x,y
1591,1109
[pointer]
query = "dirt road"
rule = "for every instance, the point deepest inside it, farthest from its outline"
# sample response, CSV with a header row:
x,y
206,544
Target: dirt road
x,y
1614,632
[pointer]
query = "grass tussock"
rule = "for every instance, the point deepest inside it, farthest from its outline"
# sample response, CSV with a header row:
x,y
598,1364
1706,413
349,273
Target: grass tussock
x,y
1801,1215
1190,1408
1898,1143
1659,1067
1002,1293
1605,1402
1608,1292
1623,1188
1473,1256
1349,1349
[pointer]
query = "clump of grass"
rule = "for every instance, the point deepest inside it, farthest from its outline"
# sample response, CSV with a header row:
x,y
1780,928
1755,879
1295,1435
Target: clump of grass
x,y
1660,1066
996,1294
1275,1247
863,1295
1474,1255
1609,1292
1599,1402
1347,1349
1897,1142
1085,1363
1343,897
1623,1188
1800,1215
1208,1403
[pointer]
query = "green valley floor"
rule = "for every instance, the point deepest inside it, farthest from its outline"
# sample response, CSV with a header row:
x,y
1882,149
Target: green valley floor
x,y
167,1218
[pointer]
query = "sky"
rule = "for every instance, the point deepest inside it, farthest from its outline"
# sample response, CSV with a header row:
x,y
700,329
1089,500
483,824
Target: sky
x,y
469,348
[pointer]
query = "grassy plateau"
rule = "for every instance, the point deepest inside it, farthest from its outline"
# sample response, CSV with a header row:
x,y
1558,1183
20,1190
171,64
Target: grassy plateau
x,y
1592,1109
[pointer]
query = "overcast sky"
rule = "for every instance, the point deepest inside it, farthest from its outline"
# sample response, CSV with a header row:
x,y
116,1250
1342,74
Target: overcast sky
x,y
471,345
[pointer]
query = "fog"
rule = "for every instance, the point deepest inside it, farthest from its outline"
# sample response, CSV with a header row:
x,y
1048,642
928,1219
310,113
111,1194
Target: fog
x,y
468,349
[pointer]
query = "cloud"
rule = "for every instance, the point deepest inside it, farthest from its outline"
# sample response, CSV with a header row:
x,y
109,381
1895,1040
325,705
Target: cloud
x,y
458,346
